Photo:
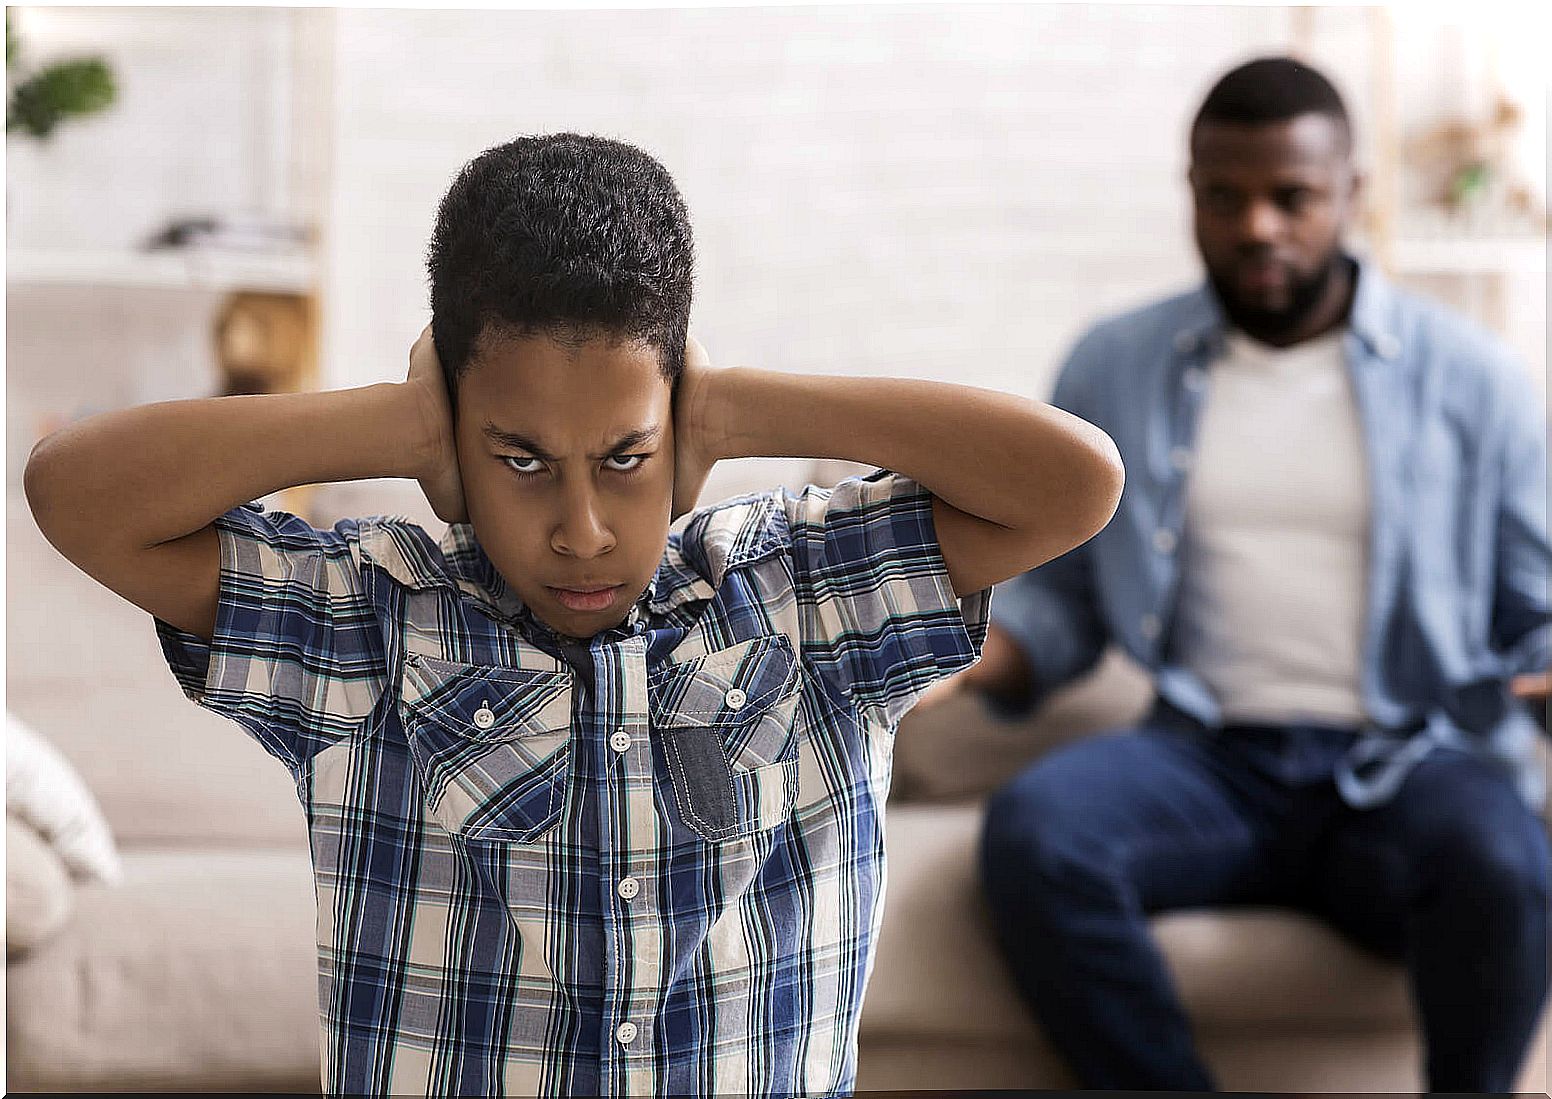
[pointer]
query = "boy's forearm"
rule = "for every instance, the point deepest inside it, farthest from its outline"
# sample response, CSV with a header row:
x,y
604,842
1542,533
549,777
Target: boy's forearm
x,y
145,475
999,457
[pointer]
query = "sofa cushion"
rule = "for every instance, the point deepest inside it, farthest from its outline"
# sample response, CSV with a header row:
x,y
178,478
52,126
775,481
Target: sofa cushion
x,y
197,971
43,789
38,894
959,750
938,971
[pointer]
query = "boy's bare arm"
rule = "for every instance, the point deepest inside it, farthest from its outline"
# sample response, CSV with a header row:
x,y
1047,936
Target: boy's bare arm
x,y
129,496
1016,482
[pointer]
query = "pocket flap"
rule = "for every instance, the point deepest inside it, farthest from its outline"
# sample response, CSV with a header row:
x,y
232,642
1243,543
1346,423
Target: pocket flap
x,y
487,702
729,686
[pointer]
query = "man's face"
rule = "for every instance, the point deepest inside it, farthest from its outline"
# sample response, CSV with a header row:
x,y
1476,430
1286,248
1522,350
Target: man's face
x,y
1271,204
566,455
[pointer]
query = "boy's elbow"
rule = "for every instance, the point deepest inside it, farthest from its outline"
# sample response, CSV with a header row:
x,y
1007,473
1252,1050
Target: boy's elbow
x,y
37,481
1104,479
45,485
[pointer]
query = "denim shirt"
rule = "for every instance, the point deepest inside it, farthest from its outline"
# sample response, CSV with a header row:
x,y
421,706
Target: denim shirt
x,y
1454,436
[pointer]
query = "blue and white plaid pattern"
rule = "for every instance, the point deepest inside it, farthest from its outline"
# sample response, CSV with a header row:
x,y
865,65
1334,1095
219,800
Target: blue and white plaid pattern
x,y
652,864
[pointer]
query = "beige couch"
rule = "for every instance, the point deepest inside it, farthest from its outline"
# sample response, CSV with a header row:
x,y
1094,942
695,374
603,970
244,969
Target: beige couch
x,y
1279,1002
197,972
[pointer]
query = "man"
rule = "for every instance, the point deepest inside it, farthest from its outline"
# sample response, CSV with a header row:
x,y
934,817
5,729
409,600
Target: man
x,y
1332,555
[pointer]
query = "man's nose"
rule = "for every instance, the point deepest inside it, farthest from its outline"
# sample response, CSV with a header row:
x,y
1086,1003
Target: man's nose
x,y
581,529
1260,222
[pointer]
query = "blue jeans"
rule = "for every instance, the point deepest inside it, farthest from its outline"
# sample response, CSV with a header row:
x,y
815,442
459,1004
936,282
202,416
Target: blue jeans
x,y
1449,878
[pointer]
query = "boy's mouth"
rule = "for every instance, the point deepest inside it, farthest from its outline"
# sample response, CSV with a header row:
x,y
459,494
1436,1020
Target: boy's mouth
x,y
591,598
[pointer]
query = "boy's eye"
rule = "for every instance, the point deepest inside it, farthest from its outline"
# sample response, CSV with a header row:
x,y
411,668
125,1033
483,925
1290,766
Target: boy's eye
x,y
624,463
522,464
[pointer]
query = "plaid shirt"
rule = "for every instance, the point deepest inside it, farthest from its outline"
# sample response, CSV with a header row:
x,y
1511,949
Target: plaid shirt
x,y
650,863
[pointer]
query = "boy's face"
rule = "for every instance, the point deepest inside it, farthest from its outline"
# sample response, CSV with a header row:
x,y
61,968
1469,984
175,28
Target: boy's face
x,y
566,453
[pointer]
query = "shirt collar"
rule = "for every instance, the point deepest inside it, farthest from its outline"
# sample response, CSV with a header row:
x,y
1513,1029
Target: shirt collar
x,y
1202,323
702,547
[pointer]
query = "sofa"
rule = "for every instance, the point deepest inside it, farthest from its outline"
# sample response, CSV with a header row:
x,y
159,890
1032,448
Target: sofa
x,y
196,971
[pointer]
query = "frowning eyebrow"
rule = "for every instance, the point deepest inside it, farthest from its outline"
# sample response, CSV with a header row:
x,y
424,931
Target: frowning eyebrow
x,y
642,436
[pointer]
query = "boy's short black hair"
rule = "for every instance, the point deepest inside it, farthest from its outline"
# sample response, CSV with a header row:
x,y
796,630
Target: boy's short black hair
x,y
1272,89
565,235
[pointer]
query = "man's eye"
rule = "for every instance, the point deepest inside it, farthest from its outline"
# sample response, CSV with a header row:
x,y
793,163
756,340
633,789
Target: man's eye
x,y
625,463
1295,198
522,465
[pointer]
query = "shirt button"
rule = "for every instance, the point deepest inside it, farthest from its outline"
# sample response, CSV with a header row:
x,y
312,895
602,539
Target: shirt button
x,y
1185,342
1164,540
626,1033
1180,457
1195,378
484,718
735,699
628,888
620,741
1149,625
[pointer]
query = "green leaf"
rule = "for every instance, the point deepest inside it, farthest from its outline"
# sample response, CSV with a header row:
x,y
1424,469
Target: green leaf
x,y
69,88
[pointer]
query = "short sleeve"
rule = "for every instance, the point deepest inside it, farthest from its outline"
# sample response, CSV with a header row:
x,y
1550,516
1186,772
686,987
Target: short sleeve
x,y
297,658
877,611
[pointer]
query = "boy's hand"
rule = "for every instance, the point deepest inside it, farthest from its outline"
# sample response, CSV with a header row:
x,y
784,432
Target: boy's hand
x,y
693,453
439,478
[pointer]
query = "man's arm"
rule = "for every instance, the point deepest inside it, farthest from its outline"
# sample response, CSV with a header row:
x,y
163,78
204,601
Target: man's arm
x,y
1522,616
1015,482
130,496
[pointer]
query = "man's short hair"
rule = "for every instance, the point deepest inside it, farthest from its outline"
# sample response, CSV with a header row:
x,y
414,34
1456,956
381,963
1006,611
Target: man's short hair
x,y
1272,89
570,236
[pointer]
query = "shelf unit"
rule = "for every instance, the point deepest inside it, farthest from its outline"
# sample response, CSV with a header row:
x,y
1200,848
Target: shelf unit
x,y
219,270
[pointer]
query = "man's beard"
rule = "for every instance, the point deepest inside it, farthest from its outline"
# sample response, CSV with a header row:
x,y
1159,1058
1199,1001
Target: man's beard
x,y
1271,325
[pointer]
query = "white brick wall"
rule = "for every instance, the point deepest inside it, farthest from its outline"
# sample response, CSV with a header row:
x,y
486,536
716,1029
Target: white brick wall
x,y
925,191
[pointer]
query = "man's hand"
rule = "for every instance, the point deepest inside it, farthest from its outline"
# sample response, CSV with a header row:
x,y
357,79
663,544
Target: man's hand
x,y
439,478
1001,672
693,453
1533,688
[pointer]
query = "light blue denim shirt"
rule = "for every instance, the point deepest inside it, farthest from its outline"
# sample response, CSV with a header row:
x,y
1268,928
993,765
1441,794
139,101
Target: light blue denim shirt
x,y
1457,602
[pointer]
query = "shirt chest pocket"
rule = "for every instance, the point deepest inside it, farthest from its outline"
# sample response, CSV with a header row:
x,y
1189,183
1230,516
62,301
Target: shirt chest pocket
x,y
491,746
728,726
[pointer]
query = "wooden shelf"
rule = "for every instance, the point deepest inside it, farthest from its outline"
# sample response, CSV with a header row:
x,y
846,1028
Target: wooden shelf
x,y
220,270
1445,255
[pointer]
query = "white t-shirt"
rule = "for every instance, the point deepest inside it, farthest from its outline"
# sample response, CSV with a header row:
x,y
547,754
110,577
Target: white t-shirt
x,y
1274,552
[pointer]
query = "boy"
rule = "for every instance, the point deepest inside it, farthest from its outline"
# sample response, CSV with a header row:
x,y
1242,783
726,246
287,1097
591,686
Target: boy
x,y
595,805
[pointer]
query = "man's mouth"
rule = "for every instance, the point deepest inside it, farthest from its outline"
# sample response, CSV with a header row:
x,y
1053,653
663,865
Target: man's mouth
x,y
591,597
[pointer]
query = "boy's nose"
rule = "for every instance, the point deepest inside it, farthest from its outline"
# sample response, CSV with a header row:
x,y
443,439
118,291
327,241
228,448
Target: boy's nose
x,y
581,531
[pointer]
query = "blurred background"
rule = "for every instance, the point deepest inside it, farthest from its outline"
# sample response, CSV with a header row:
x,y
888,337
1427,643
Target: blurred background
x,y
224,200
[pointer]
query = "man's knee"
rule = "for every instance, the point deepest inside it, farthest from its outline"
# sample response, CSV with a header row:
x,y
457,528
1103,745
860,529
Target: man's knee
x,y
1500,870
1037,836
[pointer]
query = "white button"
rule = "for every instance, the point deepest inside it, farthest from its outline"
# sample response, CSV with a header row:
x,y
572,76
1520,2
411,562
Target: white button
x,y
1180,457
628,888
620,741
1149,626
1387,345
484,718
626,1033
1195,378
735,698
1164,540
